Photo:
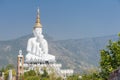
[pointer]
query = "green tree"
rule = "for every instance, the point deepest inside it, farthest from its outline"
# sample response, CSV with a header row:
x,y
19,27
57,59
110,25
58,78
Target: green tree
x,y
73,77
110,58
45,74
2,69
31,75
6,70
32,78
10,66
91,76
59,78
28,74
7,73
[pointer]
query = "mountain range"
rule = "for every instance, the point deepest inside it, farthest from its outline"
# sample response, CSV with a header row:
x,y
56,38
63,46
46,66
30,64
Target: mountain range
x,y
77,54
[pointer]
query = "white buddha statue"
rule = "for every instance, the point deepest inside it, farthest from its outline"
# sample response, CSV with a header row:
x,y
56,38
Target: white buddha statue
x,y
37,46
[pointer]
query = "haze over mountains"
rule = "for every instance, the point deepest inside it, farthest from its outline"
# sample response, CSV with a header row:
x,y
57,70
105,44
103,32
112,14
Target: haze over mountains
x,y
78,54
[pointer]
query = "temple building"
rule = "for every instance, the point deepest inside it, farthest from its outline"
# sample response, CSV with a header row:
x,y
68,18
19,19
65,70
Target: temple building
x,y
38,55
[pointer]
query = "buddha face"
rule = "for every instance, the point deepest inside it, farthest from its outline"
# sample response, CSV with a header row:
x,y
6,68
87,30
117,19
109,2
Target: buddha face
x,y
37,32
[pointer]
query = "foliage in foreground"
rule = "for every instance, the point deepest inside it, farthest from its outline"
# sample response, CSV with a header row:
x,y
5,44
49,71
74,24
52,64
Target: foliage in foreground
x,y
32,75
109,61
110,58
6,70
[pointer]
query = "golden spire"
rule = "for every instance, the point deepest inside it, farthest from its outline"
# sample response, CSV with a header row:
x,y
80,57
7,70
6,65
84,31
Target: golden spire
x,y
37,23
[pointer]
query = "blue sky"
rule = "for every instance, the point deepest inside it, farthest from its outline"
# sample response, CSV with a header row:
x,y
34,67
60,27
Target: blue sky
x,y
61,19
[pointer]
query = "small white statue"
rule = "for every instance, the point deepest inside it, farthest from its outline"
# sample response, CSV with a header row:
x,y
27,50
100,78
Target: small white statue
x,y
37,46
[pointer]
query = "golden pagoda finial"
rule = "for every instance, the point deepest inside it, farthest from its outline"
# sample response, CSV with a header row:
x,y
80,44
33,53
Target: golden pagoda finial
x,y
37,23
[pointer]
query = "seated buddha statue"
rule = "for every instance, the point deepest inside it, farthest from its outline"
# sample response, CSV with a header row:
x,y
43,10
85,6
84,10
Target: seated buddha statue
x,y
37,47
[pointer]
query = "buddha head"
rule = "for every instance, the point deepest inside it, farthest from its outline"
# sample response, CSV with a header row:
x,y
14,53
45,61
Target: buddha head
x,y
37,32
